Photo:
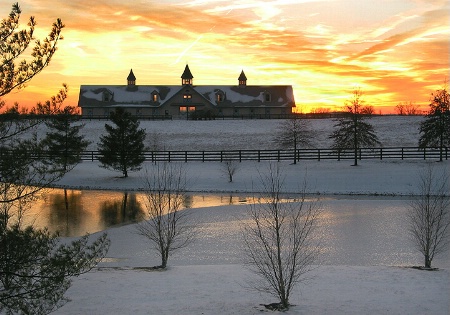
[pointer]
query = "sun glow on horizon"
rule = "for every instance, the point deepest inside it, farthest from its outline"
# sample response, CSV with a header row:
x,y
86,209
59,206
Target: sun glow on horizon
x,y
396,53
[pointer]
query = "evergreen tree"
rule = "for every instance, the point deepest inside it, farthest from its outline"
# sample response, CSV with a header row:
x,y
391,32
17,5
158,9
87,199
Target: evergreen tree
x,y
122,148
14,42
64,142
352,131
36,271
435,129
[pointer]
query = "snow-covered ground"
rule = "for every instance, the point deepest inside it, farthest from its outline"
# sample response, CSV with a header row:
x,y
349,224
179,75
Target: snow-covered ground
x,y
392,131
218,286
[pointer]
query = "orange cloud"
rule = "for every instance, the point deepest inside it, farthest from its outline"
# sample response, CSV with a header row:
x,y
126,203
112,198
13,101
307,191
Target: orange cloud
x,y
396,52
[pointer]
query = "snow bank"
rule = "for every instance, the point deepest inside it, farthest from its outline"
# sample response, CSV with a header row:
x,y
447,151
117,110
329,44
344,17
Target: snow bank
x,y
117,286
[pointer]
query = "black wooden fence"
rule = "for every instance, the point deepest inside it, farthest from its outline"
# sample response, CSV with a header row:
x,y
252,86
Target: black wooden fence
x,y
398,153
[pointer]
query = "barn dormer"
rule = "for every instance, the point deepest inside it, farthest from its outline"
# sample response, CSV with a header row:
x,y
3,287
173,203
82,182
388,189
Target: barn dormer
x,y
242,79
131,79
187,77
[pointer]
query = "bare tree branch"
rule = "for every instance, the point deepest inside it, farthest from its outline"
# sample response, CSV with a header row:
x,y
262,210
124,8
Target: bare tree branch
x,y
429,215
168,227
279,238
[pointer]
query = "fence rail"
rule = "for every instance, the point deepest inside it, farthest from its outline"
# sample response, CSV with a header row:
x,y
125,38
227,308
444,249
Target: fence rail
x,y
387,153
392,153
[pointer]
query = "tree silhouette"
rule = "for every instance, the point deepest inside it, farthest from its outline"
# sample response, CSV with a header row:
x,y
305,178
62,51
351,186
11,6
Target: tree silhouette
x,y
14,42
435,129
122,147
35,270
429,215
168,228
63,140
352,131
294,132
279,239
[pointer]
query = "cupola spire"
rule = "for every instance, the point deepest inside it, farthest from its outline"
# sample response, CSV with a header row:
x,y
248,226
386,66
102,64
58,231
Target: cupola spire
x,y
131,79
242,79
187,77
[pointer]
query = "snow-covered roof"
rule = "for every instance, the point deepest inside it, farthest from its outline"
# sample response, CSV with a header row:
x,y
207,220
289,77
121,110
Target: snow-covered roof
x,y
141,95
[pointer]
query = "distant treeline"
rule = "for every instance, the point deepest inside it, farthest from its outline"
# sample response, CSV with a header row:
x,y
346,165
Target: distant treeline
x,y
28,116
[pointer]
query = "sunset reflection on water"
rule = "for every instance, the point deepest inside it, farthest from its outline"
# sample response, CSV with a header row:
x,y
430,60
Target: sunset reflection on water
x,y
353,230
75,212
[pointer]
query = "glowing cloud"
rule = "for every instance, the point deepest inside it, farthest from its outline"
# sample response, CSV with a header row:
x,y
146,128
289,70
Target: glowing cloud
x,y
397,51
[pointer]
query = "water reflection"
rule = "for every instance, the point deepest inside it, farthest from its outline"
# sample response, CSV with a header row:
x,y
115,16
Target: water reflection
x,y
77,212
353,230
66,211
128,209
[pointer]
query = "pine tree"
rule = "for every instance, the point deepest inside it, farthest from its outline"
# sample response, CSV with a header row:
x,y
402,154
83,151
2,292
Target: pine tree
x,y
14,42
64,142
352,131
435,130
122,148
36,270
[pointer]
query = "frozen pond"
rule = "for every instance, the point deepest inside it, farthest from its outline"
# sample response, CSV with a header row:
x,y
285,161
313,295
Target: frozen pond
x,y
353,231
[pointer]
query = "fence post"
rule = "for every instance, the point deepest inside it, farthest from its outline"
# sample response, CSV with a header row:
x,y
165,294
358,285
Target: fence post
x,y
92,156
259,156
339,154
424,153
240,156
203,156
169,155
278,155
402,153
221,156
381,153
185,157
318,154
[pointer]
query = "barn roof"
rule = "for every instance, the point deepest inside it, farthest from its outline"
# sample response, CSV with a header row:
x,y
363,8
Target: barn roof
x,y
93,95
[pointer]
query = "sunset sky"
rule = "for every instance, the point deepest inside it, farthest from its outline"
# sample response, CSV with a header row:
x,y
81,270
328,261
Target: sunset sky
x,y
394,50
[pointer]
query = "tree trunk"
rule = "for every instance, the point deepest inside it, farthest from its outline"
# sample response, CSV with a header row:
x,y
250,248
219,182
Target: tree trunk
x,y
284,303
164,258
295,151
427,261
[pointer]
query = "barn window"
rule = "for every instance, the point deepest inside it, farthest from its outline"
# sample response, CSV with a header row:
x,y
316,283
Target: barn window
x,y
187,98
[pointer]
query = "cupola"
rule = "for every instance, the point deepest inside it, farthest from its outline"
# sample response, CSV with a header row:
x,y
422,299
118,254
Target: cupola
x,y
242,79
131,79
186,77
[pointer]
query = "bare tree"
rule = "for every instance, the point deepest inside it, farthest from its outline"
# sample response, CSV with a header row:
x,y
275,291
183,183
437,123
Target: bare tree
x,y
400,109
412,109
279,239
321,110
293,133
155,144
229,167
406,108
169,227
429,215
